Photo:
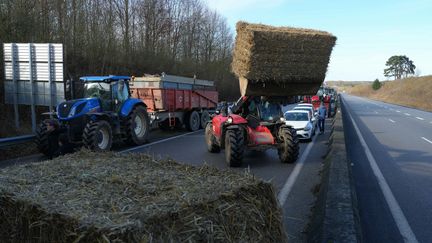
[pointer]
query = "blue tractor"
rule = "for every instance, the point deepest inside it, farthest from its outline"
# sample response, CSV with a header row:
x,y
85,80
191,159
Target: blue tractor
x,y
106,114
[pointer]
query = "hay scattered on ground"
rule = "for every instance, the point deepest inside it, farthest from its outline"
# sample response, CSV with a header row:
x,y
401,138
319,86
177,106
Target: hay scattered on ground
x,y
102,197
282,55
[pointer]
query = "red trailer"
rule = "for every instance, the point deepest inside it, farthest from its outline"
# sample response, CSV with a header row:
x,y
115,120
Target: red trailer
x,y
174,101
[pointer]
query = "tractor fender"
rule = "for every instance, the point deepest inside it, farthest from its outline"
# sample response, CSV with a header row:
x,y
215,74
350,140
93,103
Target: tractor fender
x,y
128,106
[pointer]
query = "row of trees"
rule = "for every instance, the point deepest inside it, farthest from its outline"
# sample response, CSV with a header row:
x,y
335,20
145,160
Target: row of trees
x,y
182,37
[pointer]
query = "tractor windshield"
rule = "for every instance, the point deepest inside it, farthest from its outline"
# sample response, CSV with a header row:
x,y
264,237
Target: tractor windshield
x,y
97,90
270,111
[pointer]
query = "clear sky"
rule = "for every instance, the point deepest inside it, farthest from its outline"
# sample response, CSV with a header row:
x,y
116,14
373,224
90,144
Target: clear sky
x,y
368,31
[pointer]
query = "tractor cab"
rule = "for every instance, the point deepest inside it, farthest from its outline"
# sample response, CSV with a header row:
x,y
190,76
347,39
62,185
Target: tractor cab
x,y
111,91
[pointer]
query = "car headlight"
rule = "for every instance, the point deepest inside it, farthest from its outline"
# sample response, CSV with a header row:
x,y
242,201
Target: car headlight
x,y
308,127
229,120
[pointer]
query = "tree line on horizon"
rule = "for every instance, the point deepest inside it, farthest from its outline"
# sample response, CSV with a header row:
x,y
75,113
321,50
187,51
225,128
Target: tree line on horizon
x,y
127,37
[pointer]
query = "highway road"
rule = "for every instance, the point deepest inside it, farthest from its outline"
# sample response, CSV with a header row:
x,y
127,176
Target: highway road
x,y
390,150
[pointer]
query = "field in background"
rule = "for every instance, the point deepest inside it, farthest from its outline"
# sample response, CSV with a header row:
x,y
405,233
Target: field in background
x,y
413,92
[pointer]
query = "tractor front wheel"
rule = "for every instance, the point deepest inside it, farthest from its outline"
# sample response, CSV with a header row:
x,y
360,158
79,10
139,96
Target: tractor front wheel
x,y
137,126
42,139
289,150
98,136
212,146
234,147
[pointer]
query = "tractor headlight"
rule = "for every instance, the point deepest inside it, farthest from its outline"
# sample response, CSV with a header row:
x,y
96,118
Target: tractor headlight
x,y
229,120
72,112
282,119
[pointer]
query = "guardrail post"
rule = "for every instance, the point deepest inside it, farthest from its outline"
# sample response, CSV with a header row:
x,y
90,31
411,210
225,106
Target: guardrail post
x,y
32,99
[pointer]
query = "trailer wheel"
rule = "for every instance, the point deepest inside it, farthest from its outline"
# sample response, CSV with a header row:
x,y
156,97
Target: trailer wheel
x,y
289,150
212,145
97,136
234,147
42,139
205,117
193,121
137,127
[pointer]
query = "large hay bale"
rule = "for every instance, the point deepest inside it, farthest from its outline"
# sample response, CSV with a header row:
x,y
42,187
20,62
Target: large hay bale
x,y
106,197
279,61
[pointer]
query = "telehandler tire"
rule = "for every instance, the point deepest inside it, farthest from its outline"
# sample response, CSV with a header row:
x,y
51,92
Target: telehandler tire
x,y
234,147
289,149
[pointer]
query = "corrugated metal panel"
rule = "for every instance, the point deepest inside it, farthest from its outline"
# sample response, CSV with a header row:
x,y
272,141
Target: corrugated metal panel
x,y
46,67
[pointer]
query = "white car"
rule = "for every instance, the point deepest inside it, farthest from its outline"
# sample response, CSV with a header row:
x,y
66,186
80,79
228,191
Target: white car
x,y
312,113
305,104
301,122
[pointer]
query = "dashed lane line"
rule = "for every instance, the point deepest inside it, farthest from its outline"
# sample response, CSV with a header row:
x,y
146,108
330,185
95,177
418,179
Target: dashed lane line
x,y
156,142
286,189
427,140
419,118
391,120
407,114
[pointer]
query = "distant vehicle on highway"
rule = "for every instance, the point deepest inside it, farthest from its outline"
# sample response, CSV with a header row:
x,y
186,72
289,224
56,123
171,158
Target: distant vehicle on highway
x,y
313,114
300,120
305,105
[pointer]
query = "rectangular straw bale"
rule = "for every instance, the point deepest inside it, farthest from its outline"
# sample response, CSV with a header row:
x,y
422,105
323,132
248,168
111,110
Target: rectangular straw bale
x,y
281,56
107,197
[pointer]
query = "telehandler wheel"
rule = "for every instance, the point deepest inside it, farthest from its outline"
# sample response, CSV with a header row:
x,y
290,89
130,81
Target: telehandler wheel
x,y
205,117
42,139
212,146
192,121
234,147
137,126
97,136
289,150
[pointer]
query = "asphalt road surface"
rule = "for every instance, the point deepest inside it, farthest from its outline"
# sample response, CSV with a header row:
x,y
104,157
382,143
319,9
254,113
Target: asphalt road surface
x,y
390,148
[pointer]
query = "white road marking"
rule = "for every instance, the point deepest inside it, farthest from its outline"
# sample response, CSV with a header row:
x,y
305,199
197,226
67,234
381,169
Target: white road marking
x,y
376,112
427,140
286,189
419,118
398,111
156,142
395,209
407,114
391,120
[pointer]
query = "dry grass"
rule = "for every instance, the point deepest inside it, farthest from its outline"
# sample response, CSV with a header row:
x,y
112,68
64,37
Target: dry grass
x,y
413,92
107,197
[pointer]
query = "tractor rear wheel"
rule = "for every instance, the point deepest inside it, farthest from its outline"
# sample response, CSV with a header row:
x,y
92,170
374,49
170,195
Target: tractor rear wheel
x,y
192,121
42,139
234,147
137,126
98,136
205,117
212,146
289,150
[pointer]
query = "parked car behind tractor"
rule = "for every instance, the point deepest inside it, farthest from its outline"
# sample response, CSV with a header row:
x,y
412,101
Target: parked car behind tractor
x,y
107,113
255,123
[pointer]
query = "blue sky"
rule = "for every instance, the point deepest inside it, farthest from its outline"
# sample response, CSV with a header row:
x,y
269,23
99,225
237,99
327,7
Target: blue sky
x,y
368,32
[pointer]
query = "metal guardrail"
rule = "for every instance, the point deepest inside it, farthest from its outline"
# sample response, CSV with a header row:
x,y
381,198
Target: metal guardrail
x,y
5,142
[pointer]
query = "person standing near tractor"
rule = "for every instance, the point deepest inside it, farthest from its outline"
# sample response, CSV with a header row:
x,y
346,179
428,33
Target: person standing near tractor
x,y
322,113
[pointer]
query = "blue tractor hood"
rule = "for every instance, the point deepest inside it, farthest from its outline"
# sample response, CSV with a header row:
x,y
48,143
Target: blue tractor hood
x,y
75,108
